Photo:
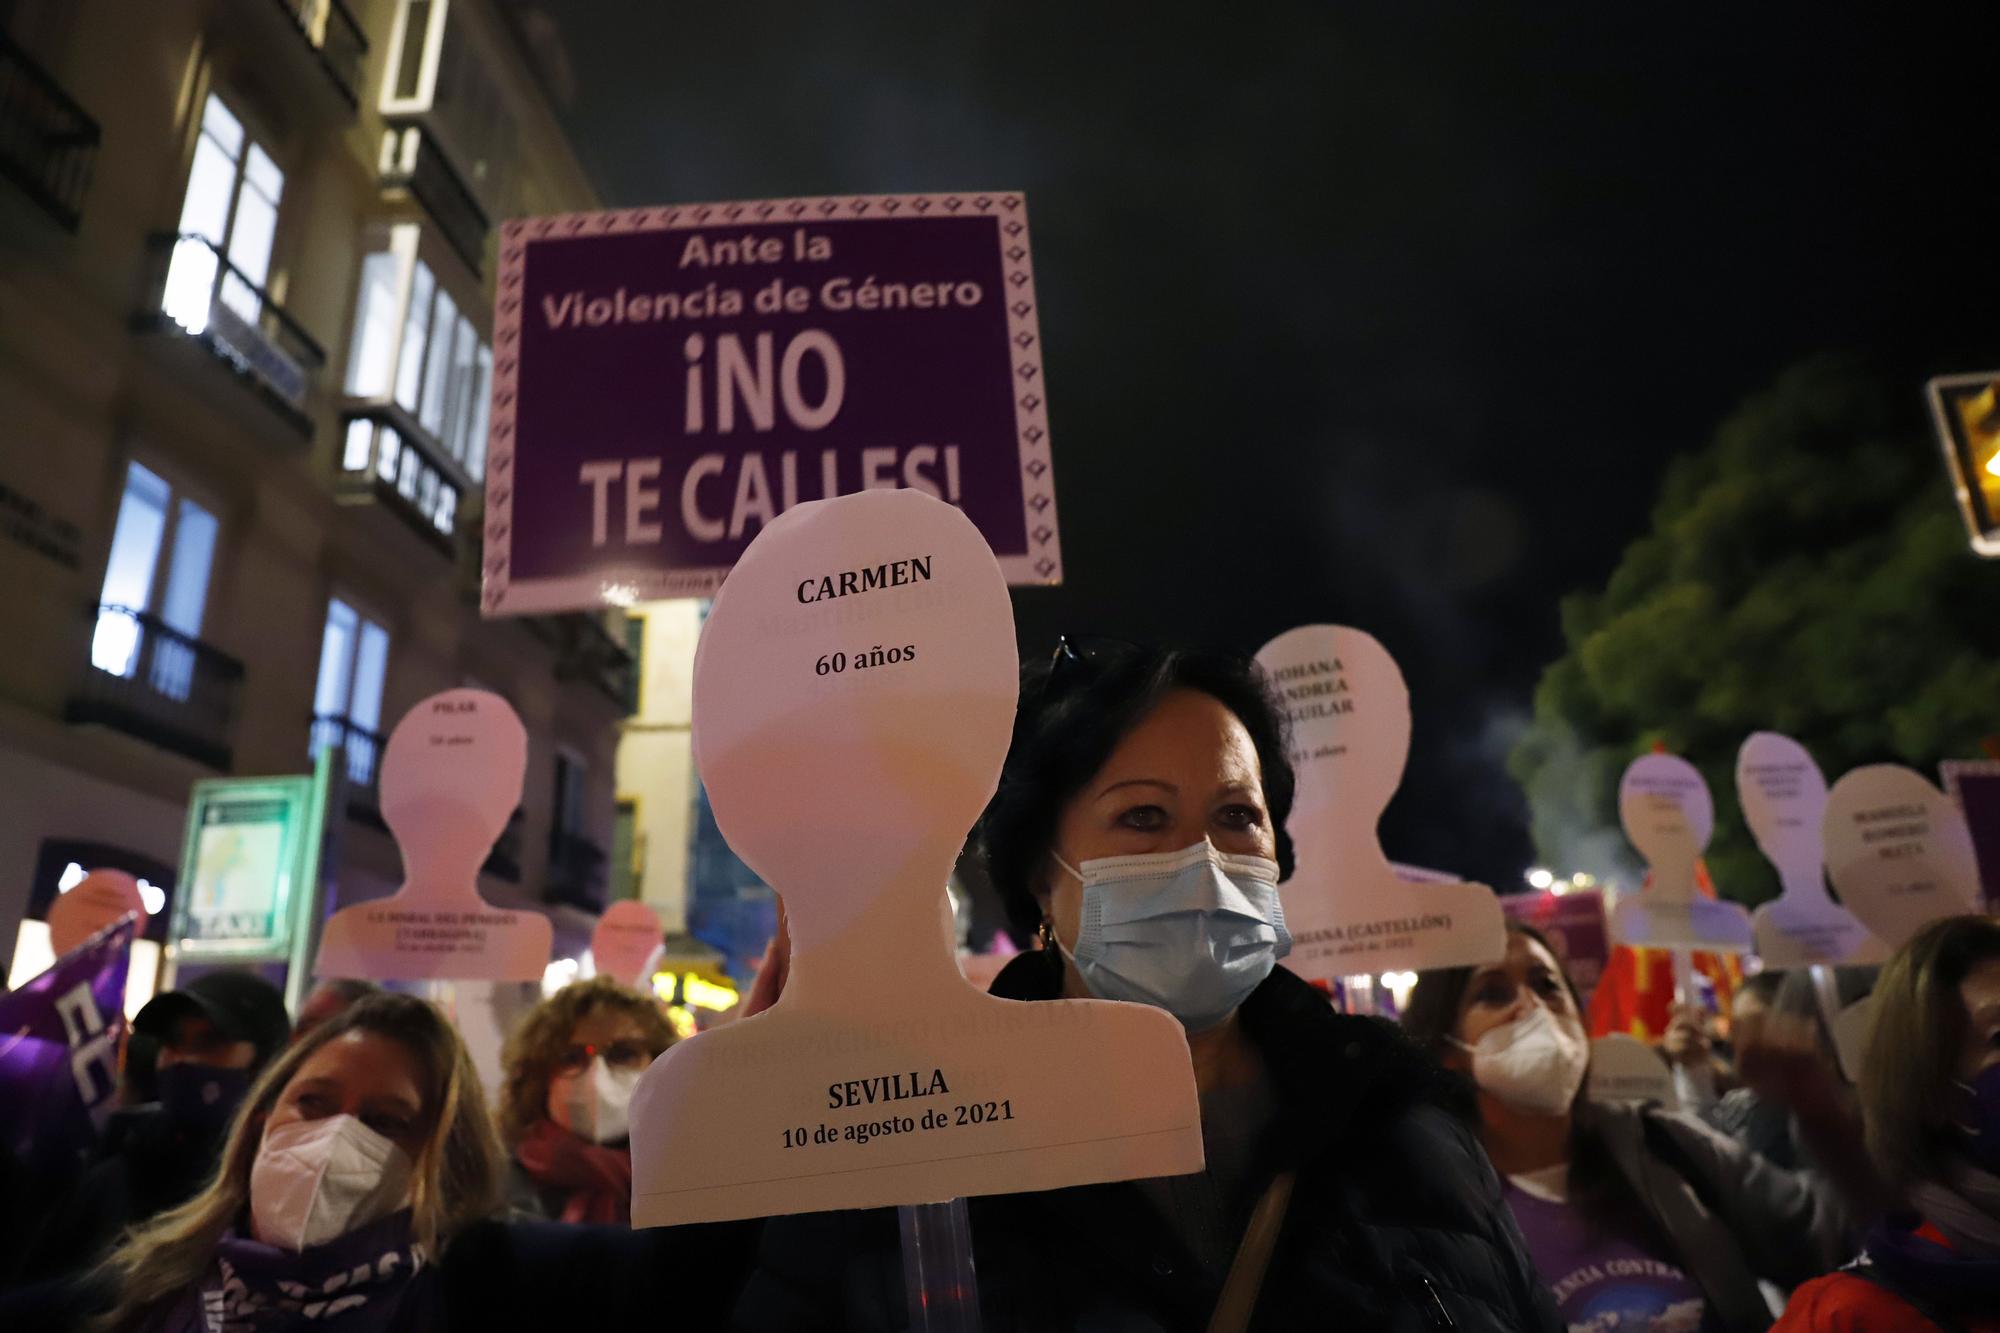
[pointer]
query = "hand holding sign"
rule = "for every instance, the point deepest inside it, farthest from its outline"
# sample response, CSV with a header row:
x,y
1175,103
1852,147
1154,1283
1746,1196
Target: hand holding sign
x,y
97,900
451,775
854,694
1898,851
1668,816
1783,795
1348,910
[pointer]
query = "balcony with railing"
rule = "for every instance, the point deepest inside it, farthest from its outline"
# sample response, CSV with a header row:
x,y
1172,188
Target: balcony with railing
x,y
358,762
577,873
387,461
167,688
316,44
48,144
197,292
414,162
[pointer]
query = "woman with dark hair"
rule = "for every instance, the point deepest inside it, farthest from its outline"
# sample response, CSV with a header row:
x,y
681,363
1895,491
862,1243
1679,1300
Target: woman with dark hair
x,y
359,1156
1637,1217
571,1068
1930,1091
1138,829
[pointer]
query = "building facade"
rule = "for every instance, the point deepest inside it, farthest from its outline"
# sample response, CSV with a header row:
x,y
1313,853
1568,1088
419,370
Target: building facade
x,y
246,290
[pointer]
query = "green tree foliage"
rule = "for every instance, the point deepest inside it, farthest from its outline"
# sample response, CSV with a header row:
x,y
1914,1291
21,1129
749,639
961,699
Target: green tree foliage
x,y
1805,573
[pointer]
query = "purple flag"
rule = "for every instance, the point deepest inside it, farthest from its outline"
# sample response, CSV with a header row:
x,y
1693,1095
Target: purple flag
x,y
1975,785
59,1040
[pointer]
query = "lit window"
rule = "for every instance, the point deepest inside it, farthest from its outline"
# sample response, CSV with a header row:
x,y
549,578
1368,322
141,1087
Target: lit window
x,y
138,584
231,207
353,660
413,345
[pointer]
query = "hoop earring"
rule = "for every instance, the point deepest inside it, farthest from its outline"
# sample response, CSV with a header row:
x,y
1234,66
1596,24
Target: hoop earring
x,y
1046,932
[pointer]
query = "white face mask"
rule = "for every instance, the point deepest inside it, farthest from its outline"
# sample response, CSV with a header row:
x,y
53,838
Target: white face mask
x,y
1534,1064
316,1180
594,1103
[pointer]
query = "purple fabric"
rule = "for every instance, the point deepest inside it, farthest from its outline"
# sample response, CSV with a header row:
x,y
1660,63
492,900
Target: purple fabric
x,y
1604,1281
365,1282
59,1039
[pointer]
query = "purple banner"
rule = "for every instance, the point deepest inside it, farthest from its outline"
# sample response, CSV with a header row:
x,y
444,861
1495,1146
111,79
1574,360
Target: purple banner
x,y
668,380
59,1042
1575,924
1975,785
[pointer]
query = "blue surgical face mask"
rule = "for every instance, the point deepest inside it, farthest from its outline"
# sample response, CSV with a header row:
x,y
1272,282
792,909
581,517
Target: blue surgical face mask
x,y
1192,932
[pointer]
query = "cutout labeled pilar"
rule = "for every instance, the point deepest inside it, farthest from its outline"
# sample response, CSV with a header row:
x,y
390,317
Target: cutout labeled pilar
x,y
451,776
854,693
1350,911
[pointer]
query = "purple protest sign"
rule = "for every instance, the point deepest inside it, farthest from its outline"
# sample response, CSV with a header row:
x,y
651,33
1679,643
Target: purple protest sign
x,y
669,380
59,1040
1975,785
1575,924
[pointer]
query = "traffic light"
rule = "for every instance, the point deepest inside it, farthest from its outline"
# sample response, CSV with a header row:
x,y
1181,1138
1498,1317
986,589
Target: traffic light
x,y
1966,409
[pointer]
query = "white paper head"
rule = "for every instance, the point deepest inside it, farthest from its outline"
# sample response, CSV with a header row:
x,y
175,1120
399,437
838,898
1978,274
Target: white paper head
x,y
451,777
1783,794
862,730
1349,713
1665,808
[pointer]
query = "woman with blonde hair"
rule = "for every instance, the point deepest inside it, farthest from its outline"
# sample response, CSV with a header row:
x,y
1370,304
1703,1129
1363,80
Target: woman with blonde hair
x,y
571,1068
1930,1090
355,1160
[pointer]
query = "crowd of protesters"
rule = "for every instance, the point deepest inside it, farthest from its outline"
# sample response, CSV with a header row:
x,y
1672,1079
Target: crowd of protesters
x,y
1450,1171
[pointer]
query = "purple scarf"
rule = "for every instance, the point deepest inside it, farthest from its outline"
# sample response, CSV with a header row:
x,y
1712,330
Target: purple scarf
x,y
363,1282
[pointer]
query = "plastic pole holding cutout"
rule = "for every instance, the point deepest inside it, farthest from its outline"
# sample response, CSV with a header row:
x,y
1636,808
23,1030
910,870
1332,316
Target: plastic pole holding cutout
x,y
1898,851
1350,914
1668,816
451,776
854,693
1783,795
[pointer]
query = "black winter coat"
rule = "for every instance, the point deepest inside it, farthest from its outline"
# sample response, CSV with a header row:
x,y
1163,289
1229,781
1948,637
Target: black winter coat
x,y
1396,1219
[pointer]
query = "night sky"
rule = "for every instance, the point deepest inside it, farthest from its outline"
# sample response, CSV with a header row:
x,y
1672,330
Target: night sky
x,y
1385,315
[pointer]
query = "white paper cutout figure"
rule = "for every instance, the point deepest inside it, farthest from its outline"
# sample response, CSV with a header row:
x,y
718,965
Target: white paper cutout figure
x,y
91,904
854,693
451,776
627,942
1899,851
1625,1069
1349,910
1668,816
1783,795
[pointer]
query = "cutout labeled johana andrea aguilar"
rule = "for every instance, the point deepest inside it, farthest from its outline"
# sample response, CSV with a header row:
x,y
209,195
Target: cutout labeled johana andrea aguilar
x,y
451,775
1669,816
667,381
1349,911
854,694
1783,795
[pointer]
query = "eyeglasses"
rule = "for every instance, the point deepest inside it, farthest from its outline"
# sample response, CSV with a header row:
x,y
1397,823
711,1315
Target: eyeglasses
x,y
1078,658
622,1054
